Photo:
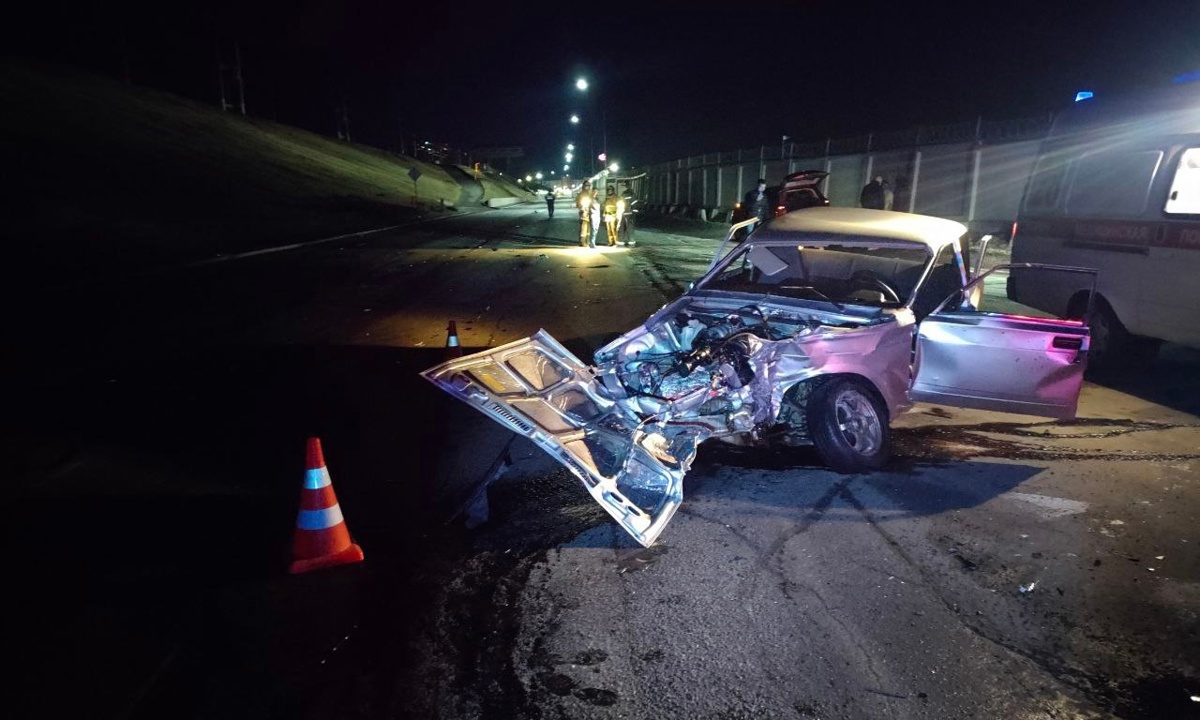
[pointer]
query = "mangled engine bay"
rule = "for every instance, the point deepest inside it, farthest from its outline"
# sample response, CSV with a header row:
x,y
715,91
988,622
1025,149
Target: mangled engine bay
x,y
723,371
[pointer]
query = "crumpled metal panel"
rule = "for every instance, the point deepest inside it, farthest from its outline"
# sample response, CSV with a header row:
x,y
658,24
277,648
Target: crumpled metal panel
x,y
538,389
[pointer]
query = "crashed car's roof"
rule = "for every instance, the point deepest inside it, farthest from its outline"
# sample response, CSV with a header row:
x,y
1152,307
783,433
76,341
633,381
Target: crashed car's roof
x,y
931,231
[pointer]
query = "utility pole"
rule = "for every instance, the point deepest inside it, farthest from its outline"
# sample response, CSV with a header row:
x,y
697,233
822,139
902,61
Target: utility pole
x,y
221,77
237,54
222,69
343,121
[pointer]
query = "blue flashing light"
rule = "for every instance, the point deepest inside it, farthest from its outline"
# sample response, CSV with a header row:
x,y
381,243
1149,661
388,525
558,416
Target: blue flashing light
x,y
1083,95
1187,77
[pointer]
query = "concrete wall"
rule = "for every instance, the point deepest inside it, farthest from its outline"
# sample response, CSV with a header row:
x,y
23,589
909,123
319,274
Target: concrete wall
x,y
943,181
1002,173
972,182
845,180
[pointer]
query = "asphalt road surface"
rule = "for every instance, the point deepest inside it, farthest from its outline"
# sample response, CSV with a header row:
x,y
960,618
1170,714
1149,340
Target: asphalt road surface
x,y
1000,566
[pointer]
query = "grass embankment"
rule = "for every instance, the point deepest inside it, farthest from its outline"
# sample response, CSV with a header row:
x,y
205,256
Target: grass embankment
x,y
498,187
111,177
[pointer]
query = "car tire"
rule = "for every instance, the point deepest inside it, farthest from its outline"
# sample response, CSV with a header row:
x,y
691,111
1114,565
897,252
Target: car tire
x,y
848,422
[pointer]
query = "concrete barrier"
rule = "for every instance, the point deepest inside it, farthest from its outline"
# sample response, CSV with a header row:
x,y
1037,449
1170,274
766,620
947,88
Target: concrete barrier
x,y
502,201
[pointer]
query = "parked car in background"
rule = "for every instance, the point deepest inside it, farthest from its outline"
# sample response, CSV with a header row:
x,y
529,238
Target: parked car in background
x,y
820,328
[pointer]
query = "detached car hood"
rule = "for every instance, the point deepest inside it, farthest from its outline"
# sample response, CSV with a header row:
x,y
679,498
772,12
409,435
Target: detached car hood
x,y
538,389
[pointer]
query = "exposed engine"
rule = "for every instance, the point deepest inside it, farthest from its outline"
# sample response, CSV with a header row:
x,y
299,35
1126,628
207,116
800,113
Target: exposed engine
x,y
702,367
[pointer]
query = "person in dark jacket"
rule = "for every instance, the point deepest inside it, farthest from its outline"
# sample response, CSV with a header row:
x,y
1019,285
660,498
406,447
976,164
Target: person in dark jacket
x,y
872,195
756,202
550,202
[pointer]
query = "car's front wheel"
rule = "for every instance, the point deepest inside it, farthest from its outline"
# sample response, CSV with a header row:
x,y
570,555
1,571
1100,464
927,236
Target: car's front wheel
x,y
848,423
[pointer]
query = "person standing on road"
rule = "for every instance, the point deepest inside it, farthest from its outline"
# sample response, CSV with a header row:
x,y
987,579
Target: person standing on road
x,y
614,209
594,213
872,195
583,203
756,202
550,202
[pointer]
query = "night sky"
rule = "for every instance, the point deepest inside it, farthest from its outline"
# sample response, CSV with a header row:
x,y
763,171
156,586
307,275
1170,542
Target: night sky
x,y
669,79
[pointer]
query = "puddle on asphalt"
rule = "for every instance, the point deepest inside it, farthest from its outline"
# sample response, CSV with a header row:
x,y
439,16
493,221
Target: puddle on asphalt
x,y
943,443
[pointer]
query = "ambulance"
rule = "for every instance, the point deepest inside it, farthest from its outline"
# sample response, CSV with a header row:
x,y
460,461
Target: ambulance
x,y
1116,187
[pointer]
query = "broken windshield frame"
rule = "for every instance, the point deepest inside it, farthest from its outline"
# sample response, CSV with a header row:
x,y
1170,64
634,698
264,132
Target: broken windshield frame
x,y
838,270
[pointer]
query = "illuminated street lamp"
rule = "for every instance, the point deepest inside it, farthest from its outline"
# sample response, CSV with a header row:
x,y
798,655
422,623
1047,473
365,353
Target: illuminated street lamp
x,y
569,157
528,178
571,147
539,176
574,119
582,85
614,167
566,168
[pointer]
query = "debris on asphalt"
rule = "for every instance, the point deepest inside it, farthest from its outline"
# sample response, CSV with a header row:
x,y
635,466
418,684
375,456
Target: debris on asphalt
x,y
1028,588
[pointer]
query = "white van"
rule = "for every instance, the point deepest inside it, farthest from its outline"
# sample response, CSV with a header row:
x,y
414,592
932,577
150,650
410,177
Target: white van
x,y
1117,188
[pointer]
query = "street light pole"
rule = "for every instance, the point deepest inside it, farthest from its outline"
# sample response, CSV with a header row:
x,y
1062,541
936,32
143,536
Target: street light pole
x,y
582,85
604,133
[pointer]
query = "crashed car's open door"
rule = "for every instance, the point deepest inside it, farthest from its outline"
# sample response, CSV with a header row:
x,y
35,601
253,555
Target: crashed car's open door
x,y
537,388
998,361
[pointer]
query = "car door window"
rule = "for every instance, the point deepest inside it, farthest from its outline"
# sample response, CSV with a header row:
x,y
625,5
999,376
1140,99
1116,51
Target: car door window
x,y
1184,198
1113,184
943,284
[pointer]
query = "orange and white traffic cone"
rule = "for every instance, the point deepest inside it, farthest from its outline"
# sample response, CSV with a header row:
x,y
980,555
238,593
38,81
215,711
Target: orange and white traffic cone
x,y
453,349
322,538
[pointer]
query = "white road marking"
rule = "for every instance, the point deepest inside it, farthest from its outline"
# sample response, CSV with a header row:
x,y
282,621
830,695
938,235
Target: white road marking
x,y
1050,507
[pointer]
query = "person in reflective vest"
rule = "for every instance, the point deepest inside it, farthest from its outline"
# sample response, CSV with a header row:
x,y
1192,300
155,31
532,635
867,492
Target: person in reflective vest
x,y
583,202
614,209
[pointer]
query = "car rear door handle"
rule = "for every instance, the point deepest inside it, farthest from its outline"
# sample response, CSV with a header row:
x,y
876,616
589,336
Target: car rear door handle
x,y
1069,342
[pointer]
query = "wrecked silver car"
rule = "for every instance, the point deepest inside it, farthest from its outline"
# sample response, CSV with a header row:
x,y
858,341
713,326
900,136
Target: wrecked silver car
x,y
818,329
